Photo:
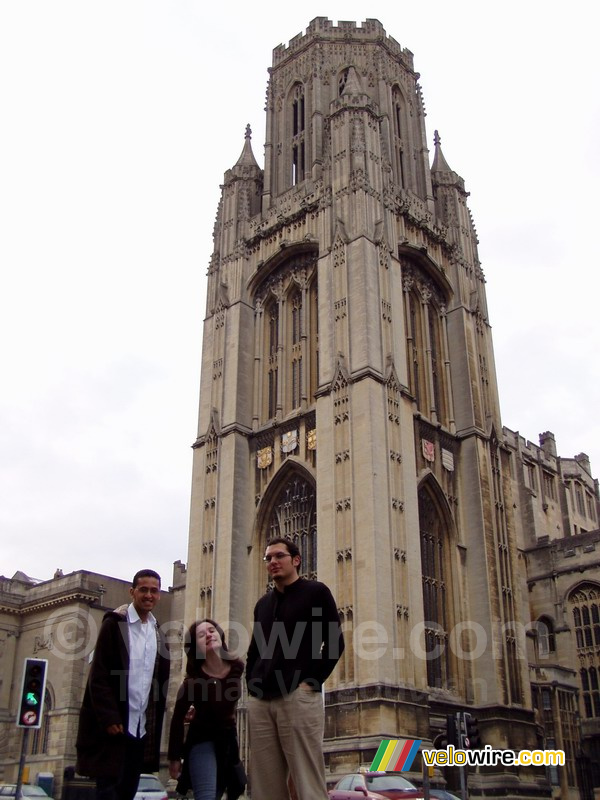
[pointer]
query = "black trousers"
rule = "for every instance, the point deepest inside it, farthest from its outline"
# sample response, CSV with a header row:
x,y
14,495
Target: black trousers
x,y
124,786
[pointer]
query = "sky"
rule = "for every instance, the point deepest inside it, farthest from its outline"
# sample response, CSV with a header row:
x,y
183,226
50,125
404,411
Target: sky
x,y
110,166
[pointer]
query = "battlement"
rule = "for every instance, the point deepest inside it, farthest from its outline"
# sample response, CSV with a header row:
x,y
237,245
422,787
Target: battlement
x,y
322,28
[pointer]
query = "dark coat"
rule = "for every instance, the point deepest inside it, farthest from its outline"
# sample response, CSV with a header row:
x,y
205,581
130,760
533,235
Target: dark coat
x,y
105,702
297,637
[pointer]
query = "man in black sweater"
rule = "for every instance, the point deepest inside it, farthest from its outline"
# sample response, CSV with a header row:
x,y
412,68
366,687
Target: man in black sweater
x,y
296,643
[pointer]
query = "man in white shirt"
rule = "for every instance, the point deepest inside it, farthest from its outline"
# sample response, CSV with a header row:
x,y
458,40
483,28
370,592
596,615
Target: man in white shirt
x,y
121,716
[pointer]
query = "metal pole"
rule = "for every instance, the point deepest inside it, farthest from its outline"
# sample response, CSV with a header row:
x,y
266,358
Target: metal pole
x,y
463,783
24,740
461,742
426,781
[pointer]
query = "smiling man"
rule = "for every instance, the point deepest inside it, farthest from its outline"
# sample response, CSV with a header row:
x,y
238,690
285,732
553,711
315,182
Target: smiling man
x,y
121,716
296,643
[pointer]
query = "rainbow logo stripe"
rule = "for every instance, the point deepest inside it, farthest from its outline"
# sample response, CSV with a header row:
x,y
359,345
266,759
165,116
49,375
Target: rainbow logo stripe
x,y
395,755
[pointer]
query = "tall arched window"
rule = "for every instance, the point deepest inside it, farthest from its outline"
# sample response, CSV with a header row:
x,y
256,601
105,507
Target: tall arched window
x,y
298,142
414,348
399,123
585,612
295,339
287,319
426,345
294,515
435,567
272,356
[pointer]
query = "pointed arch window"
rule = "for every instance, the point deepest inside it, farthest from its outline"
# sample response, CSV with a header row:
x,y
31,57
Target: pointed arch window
x,y
434,351
296,348
415,348
585,603
435,568
298,142
426,346
294,516
398,124
287,337
272,317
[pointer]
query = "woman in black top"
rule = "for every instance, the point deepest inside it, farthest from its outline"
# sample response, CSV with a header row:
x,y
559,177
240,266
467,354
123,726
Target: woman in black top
x,y
207,699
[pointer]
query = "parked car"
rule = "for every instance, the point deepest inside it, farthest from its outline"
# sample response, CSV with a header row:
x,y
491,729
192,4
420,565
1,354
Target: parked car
x,y
150,788
443,794
374,786
9,790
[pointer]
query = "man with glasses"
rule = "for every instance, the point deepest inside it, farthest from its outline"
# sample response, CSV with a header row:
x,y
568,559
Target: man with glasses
x,y
296,643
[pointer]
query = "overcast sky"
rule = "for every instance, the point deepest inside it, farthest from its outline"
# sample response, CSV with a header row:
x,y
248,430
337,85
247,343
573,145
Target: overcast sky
x,y
110,165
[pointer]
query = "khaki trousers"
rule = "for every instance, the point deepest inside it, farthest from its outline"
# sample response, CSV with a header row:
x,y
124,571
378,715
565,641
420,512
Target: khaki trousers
x,y
286,739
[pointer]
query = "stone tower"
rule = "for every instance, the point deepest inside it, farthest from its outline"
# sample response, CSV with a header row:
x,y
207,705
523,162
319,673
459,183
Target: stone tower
x,y
348,399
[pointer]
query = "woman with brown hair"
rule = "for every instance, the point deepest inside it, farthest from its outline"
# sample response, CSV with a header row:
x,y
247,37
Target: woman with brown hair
x,y
207,700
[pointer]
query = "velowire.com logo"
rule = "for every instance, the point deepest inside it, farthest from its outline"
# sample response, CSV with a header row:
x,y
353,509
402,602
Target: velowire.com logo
x,y
395,755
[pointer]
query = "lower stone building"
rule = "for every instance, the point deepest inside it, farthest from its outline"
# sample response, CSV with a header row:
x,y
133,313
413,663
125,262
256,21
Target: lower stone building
x,y
560,553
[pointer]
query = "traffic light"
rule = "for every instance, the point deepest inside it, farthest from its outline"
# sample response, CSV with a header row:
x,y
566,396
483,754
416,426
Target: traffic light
x,y
470,732
31,703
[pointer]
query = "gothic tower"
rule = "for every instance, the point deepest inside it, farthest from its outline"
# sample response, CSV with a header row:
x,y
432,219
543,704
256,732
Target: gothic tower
x,y
348,399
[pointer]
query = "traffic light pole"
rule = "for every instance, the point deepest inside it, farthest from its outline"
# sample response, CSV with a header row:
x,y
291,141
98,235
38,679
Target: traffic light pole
x,y
24,740
461,770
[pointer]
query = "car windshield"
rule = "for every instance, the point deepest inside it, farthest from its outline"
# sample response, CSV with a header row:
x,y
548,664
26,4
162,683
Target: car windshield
x,y
379,783
149,784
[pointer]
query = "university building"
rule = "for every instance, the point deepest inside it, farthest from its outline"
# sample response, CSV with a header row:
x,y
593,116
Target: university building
x,y
349,400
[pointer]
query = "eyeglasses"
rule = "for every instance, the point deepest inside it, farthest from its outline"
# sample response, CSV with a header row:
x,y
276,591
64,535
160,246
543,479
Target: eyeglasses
x,y
276,556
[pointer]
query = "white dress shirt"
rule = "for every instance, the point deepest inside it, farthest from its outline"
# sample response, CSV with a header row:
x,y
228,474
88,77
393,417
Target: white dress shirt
x,y
142,656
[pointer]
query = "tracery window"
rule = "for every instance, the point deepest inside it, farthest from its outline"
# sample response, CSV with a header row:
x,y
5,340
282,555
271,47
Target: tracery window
x,y
434,351
294,516
585,609
272,317
296,348
287,319
426,347
414,348
436,588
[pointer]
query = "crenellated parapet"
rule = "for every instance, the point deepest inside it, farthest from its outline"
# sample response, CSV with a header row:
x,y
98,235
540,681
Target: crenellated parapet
x,y
344,32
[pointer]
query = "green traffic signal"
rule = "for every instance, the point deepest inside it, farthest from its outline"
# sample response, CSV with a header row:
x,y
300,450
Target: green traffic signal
x,y
31,702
